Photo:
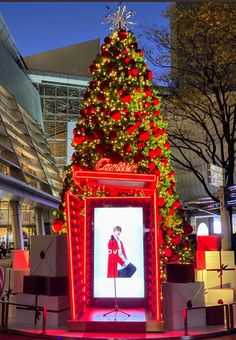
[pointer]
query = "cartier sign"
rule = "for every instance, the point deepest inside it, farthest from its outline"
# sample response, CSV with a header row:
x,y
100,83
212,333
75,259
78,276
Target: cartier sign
x,y
105,164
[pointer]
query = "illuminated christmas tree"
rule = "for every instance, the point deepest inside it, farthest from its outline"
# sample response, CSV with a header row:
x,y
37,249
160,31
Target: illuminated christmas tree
x,y
121,120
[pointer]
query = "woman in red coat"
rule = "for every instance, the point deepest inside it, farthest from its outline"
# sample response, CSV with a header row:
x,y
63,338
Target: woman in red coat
x,y
118,264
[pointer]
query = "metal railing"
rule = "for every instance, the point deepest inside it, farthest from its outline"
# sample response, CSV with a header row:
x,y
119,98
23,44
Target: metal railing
x,y
228,314
5,312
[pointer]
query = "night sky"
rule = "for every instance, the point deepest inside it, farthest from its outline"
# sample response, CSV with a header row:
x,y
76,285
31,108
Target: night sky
x,y
38,27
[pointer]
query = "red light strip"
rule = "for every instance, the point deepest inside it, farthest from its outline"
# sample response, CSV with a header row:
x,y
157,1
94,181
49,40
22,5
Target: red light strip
x,y
85,249
133,177
157,266
146,198
70,260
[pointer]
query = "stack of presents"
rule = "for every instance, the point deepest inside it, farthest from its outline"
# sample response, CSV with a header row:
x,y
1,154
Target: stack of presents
x,y
41,280
210,282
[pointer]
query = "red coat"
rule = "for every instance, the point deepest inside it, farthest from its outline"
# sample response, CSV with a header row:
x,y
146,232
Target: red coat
x,y
114,258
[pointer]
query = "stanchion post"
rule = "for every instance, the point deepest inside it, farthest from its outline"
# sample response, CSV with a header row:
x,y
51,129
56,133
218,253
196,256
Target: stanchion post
x,y
227,316
44,320
3,315
185,321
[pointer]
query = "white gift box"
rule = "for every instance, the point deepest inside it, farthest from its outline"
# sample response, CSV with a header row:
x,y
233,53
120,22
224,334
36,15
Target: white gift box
x,y
57,309
15,279
213,259
224,294
48,255
175,298
214,281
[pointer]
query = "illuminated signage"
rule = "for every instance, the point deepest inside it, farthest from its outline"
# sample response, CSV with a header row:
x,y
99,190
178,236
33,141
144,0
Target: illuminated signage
x,y
105,164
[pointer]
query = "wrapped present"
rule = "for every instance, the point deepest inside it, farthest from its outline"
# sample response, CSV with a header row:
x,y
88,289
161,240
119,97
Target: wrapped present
x,y
48,255
175,299
200,260
209,243
15,279
57,309
225,295
181,273
20,259
215,315
220,269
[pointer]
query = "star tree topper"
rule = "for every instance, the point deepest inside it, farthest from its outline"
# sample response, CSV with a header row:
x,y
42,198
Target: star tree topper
x,y
119,19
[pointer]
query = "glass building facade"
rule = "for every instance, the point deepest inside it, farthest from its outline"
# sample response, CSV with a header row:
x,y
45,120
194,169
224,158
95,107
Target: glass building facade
x,y
60,96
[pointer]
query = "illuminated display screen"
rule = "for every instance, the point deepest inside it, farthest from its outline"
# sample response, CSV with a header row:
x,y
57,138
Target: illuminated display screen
x,y
118,252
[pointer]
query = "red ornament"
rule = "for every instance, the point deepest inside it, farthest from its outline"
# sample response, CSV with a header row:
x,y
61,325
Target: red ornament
x,y
169,232
105,55
120,91
90,137
148,93
144,135
103,48
134,71
146,104
174,258
79,139
131,128
91,109
127,148
57,225
156,113
159,132
127,60
101,97
167,145
116,115
125,98
168,252
105,85
160,201
155,153
169,191
176,205
92,85
107,40
75,131
141,53
125,51
186,244
86,95
99,134
141,145
176,240
171,173
122,34
101,149
113,135
151,166
171,212
95,119
155,101
188,229
137,89
149,75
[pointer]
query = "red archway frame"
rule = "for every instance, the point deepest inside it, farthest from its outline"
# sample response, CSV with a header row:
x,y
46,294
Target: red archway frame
x,y
120,186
